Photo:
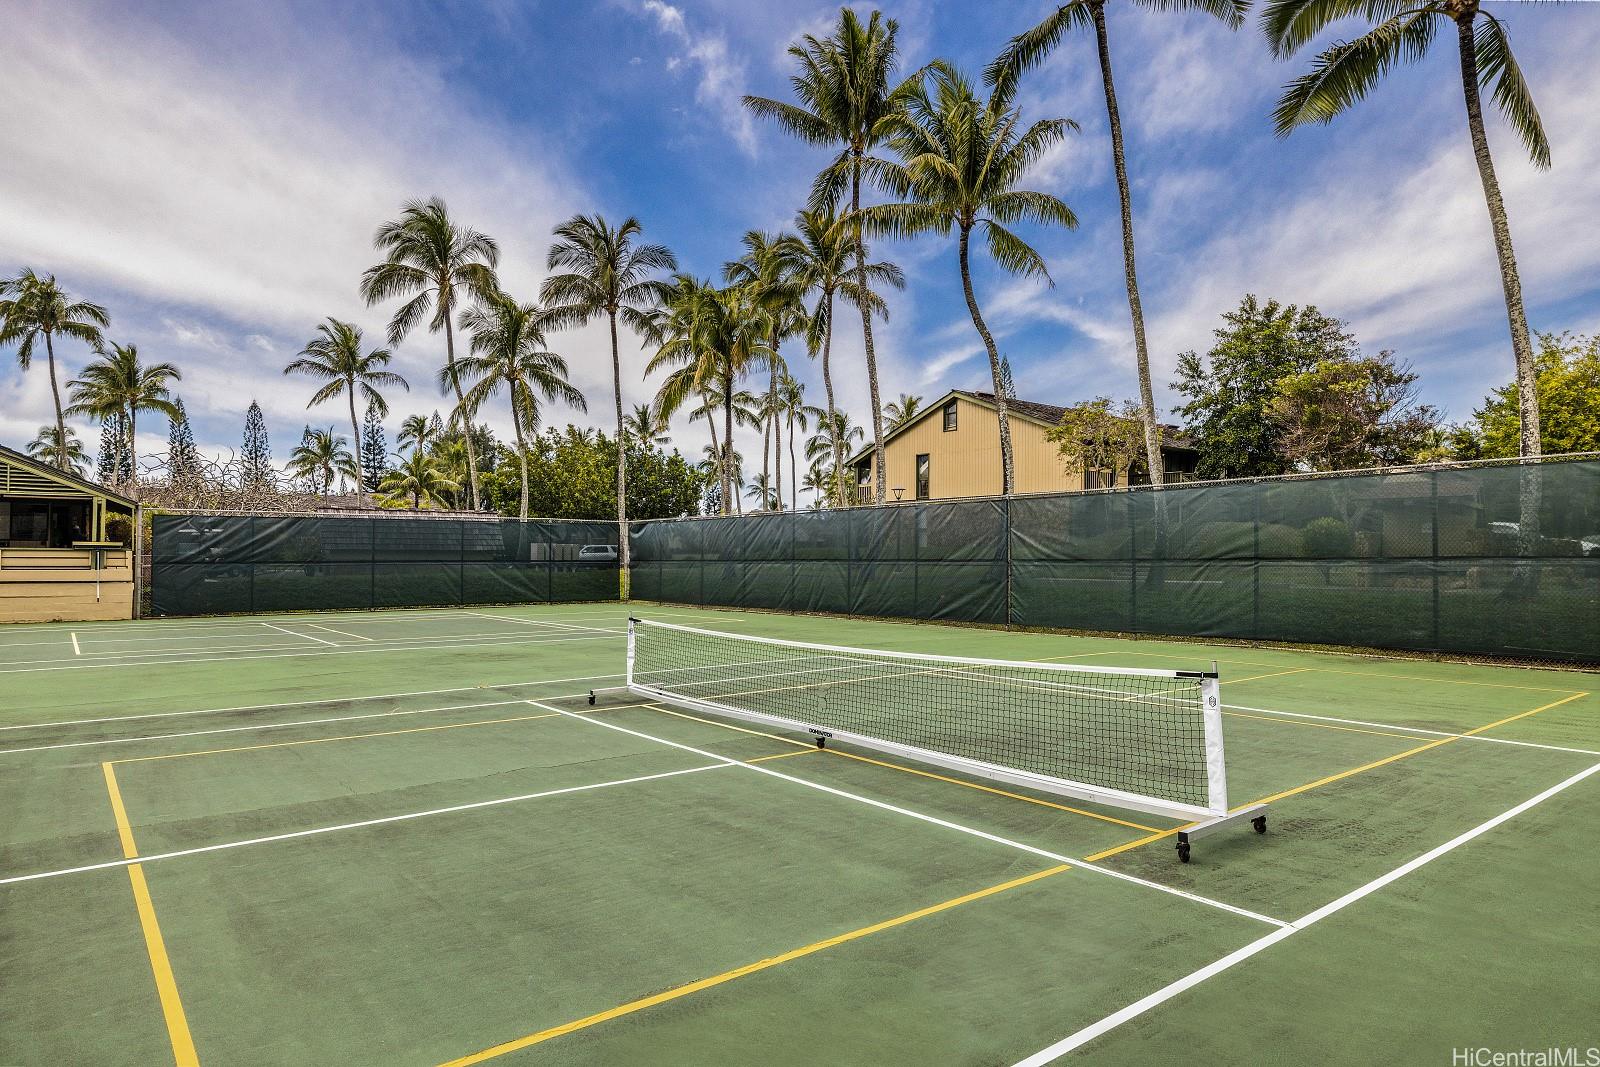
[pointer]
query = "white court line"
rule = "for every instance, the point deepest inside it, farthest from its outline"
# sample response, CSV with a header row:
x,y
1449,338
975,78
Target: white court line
x,y
263,727
548,623
1418,730
921,817
387,819
1211,970
76,651
344,633
529,640
306,637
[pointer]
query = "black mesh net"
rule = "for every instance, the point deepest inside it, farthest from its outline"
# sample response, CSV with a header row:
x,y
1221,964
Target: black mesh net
x,y
1482,559
1141,733
214,564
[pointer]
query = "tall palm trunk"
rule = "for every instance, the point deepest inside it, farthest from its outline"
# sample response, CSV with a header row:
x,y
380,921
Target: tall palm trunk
x,y
794,472
133,451
1152,442
466,426
833,422
866,330
55,394
1511,283
728,489
622,458
777,442
522,452
355,429
716,451
1006,471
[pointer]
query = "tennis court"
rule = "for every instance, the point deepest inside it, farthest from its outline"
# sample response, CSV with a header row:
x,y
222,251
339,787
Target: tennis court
x,y
409,837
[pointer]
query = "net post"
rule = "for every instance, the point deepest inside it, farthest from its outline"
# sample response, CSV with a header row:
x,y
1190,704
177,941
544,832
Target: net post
x,y
1216,764
631,638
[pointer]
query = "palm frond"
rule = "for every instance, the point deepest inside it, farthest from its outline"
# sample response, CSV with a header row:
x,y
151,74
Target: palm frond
x,y
1341,76
1497,67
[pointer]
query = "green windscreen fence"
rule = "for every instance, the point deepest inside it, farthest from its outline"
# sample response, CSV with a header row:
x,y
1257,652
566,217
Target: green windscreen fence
x,y
216,564
1501,560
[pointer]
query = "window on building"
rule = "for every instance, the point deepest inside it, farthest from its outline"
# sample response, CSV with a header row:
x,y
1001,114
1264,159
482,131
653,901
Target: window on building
x,y
950,416
923,480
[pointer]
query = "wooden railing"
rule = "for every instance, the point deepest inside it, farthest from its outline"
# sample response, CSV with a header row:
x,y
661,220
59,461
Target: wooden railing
x,y
60,559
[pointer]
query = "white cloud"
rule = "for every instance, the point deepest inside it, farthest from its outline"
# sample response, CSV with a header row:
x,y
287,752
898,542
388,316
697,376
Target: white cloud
x,y
721,75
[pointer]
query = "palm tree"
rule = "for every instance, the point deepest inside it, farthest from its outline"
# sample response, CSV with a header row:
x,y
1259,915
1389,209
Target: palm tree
x,y
819,447
46,447
713,337
606,272
1347,71
508,349
822,254
117,384
760,491
961,160
320,456
416,432
794,409
766,269
901,411
646,426
431,260
450,453
712,402
32,307
335,357
847,100
1027,50
819,483
420,478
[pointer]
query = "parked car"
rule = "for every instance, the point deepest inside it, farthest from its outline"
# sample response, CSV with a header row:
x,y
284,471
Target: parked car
x,y
597,554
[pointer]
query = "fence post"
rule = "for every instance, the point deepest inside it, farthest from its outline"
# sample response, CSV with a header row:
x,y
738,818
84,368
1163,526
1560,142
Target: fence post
x,y
1005,521
1255,563
1433,564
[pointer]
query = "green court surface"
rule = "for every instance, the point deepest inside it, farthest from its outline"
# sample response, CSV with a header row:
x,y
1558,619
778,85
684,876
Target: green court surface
x,y
408,837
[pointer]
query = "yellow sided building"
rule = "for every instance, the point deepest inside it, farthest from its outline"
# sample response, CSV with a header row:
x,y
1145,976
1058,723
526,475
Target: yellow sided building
x,y
952,449
57,563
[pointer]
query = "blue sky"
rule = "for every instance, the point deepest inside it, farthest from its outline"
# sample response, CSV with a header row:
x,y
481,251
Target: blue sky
x,y
213,174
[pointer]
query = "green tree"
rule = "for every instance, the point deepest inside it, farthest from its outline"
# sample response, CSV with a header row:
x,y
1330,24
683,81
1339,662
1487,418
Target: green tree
x,y
796,412
848,98
508,352
960,162
606,271
903,410
572,474
334,357
374,449
1029,49
322,456
1093,437
32,307
1344,414
647,427
46,448
821,255
418,433
118,383
255,453
183,459
433,262
1227,392
1568,368
1347,71
418,478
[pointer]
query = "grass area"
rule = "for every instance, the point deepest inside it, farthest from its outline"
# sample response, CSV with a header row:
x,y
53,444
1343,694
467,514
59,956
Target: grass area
x,y
406,837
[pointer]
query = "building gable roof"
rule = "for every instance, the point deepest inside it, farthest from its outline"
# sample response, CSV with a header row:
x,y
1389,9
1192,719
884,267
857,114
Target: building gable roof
x,y
1046,415
10,457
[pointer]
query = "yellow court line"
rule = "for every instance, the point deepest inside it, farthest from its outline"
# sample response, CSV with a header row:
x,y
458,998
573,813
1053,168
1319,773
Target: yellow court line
x,y
991,789
1326,726
341,737
1328,780
739,972
783,755
183,1052
712,722
1274,674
